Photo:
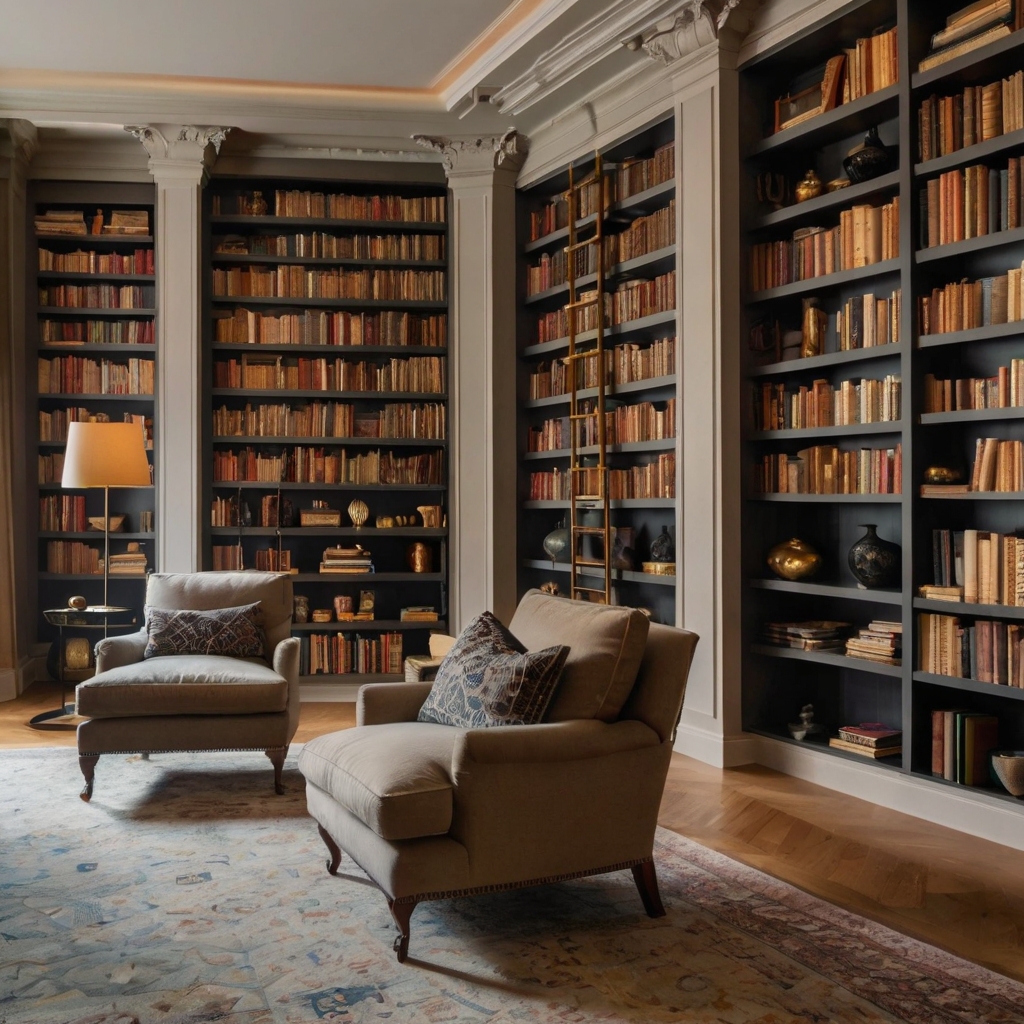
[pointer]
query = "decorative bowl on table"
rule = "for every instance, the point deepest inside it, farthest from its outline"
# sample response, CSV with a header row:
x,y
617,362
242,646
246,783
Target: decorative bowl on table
x,y
1009,768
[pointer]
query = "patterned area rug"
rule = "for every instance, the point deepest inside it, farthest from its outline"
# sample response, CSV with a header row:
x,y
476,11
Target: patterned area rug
x,y
186,891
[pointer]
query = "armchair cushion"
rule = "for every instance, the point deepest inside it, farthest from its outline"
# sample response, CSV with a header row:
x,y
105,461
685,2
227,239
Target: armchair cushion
x,y
232,632
396,779
488,678
606,645
183,684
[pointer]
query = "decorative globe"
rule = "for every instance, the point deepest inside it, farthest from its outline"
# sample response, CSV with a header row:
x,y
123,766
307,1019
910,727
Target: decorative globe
x,y
794,559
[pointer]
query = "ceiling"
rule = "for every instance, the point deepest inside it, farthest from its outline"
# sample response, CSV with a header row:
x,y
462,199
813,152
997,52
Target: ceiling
x,y
396,44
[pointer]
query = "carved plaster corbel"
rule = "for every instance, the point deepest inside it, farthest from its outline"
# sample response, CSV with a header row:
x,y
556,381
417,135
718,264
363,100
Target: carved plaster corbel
x,y
487,152
698,23
168,142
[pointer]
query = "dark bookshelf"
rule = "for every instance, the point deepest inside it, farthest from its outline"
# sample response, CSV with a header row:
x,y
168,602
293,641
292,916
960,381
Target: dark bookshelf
x,y
777,681
394,586
52,589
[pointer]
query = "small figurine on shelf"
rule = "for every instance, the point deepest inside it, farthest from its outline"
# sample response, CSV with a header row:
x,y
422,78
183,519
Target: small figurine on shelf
x,y
814,325
809,187
343,606
551,587
806,727
300,608
358,512
258,205
431,515
367,601
419,557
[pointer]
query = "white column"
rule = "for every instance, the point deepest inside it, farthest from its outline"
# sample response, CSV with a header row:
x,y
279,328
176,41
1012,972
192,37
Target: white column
x,y
482,379
17,508
179,160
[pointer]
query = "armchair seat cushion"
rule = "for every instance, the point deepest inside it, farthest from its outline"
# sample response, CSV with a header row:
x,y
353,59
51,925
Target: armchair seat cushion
x,y
395,778
183,684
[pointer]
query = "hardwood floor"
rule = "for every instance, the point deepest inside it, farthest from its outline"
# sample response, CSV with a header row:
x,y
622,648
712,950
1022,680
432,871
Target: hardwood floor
x,y
960,893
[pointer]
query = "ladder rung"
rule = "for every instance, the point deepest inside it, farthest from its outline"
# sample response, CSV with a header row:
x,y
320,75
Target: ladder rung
x,y
589,497
586,469
582,355
590,563
582,415
590,590
581,302
588,529
580,245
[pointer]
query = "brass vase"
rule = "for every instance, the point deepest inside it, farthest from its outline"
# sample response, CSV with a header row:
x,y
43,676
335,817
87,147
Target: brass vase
x,y
419,557
809,187
812,329
794,559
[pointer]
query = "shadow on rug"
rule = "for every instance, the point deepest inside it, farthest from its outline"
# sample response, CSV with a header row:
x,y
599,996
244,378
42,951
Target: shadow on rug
x,y
187,891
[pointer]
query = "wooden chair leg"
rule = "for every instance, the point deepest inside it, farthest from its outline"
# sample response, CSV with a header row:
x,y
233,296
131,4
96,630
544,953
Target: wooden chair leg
x,y
145,755
401,912
277,755
87,762
332,848
646,879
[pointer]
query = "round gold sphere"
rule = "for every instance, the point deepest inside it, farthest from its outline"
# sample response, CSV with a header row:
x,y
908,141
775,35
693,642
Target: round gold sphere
x,y
794,559
78,603
941,475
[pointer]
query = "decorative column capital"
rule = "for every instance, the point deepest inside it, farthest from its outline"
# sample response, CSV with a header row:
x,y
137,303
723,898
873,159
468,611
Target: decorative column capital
x,y
694,25
24,140
476,154
183,150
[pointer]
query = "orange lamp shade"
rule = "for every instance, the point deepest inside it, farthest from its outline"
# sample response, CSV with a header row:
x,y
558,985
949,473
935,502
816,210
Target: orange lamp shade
x,y
105,455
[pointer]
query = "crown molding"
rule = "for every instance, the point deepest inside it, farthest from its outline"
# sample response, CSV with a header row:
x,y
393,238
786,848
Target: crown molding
x,y
480,153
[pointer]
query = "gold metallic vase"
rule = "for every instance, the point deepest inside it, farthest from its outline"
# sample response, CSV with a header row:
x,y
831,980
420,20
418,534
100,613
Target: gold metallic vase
x,y
809,187
794,559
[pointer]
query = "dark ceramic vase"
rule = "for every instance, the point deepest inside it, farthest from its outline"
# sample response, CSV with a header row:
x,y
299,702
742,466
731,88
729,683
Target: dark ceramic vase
x,y
875,562
663,548
868,161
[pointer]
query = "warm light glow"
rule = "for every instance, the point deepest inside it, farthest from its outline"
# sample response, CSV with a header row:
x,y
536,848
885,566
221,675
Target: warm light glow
x,y
105,455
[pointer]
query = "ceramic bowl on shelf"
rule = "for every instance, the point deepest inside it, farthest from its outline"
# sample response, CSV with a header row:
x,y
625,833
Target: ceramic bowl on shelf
x,y
1009,768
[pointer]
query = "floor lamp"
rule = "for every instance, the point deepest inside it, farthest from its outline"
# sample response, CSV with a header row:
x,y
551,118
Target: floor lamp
x,y
105,455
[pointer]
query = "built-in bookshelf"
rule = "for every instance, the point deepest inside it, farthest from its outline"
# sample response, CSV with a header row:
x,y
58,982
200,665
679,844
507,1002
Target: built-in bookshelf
x,y
327,379
92,319
897,365
641,365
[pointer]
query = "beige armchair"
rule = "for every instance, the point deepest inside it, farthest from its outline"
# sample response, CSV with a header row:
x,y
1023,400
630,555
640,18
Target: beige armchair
x,y
195,701
431,811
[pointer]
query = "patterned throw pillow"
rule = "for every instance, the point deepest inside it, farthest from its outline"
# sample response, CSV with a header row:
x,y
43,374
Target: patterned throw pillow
x,y
233,632
489,678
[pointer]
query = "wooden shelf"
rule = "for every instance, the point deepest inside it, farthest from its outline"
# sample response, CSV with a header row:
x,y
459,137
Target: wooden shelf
x,y
611,391
983,243
836,590
317,223
855,430
371,626
327,261
614,504
992,332
80,241
368,396
652,264
69,275
825,282
369,532
344,442
976,496
893,763
969,685
355,678
828,658
96,535
93,311
288,485
987,62
984,611
106,348
337,578
972,415
79,397
647,326
970,154
665,444
872,499
618,575
812,364
80,490
233,348
810,209
98,577
305,303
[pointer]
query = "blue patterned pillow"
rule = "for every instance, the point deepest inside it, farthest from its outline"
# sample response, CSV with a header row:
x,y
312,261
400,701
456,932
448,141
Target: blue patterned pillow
x,y
232,632
489,678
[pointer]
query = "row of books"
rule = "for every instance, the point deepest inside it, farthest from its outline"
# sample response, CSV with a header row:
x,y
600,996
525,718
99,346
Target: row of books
x,y
51,468
98,296
417,374
623,425
328,466
623,364
962,745
53,425
976,25
822,405
297,282
1005,390
331,327
976,566
867,320
620,182
81,262
998,466
64,512
78,375
963,305
97,332
338,206
972,202
826,469
332,419
78,558
322,654
72,222
646,234
871,64
654,479
981,112
631,300
865,235
320,245
986,651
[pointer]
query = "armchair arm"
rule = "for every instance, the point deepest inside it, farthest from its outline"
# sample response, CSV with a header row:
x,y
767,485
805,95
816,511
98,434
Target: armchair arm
x,y
380,703
286,664
115,651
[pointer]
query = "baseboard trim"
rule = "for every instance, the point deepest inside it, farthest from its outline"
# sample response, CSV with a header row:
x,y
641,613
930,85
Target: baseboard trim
x,y
329,692
977,814
9,684
713,748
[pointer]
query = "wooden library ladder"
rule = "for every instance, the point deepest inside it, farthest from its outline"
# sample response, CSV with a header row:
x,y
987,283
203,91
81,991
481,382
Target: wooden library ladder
x,y
586,479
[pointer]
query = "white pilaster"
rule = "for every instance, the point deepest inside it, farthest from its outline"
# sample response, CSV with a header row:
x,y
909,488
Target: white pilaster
x,y
482,380
179,160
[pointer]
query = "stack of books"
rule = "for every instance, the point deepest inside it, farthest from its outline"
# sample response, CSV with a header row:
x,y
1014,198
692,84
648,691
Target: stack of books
x,y
878,641
61,222
869,739
346,561
131,563
127,222
419,613
971,27
806,636
961,744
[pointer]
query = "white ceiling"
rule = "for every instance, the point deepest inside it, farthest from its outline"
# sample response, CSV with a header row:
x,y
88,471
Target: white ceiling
x,y
403,44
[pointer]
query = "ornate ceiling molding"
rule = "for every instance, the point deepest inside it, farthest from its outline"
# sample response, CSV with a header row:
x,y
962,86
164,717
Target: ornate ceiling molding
x,y
24,138
178,142
478,153
698,23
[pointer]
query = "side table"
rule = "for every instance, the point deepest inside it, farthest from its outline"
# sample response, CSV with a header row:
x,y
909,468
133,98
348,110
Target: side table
x,y
104,618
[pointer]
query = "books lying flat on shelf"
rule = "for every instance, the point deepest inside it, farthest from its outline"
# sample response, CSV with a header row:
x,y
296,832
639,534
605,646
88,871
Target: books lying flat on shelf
x,y
970,28
419,613
61,222
354,560
961,744
870,734
862,751
131,563
878,641
127,222
933,593
806,636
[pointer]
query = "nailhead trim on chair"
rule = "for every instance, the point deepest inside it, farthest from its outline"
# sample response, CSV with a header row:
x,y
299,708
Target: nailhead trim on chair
x,y
177,750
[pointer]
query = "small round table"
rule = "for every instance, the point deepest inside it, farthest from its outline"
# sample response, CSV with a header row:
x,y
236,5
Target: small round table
x,y
95,617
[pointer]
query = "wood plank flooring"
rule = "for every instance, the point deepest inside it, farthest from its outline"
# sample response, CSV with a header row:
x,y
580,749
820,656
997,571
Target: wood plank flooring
x,y
939,885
